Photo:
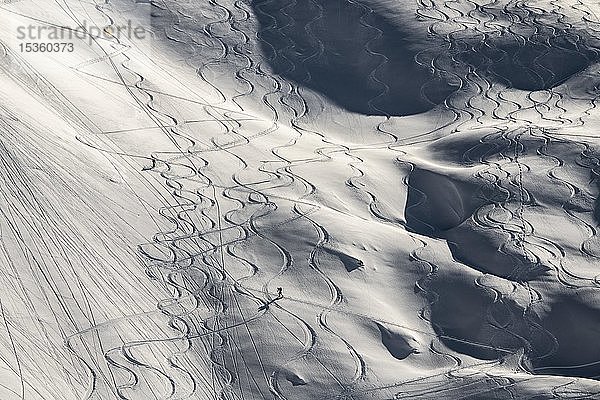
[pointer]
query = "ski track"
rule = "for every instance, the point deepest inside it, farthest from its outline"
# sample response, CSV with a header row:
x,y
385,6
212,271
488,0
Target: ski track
x,y
216,208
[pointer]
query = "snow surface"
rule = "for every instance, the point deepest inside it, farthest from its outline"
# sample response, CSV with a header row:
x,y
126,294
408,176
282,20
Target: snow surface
x,y
301,199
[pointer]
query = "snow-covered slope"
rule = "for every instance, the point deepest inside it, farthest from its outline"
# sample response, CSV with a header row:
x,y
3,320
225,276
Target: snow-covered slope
x,y
300,199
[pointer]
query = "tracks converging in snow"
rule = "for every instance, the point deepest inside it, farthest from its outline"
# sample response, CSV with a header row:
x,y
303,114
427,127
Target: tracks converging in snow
x,y
302,199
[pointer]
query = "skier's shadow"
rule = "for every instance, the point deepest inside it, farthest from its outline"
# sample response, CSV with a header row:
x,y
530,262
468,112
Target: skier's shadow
x,y
272,301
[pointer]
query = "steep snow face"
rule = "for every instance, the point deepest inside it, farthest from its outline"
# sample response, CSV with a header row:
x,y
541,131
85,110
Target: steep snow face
x,y
303,199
